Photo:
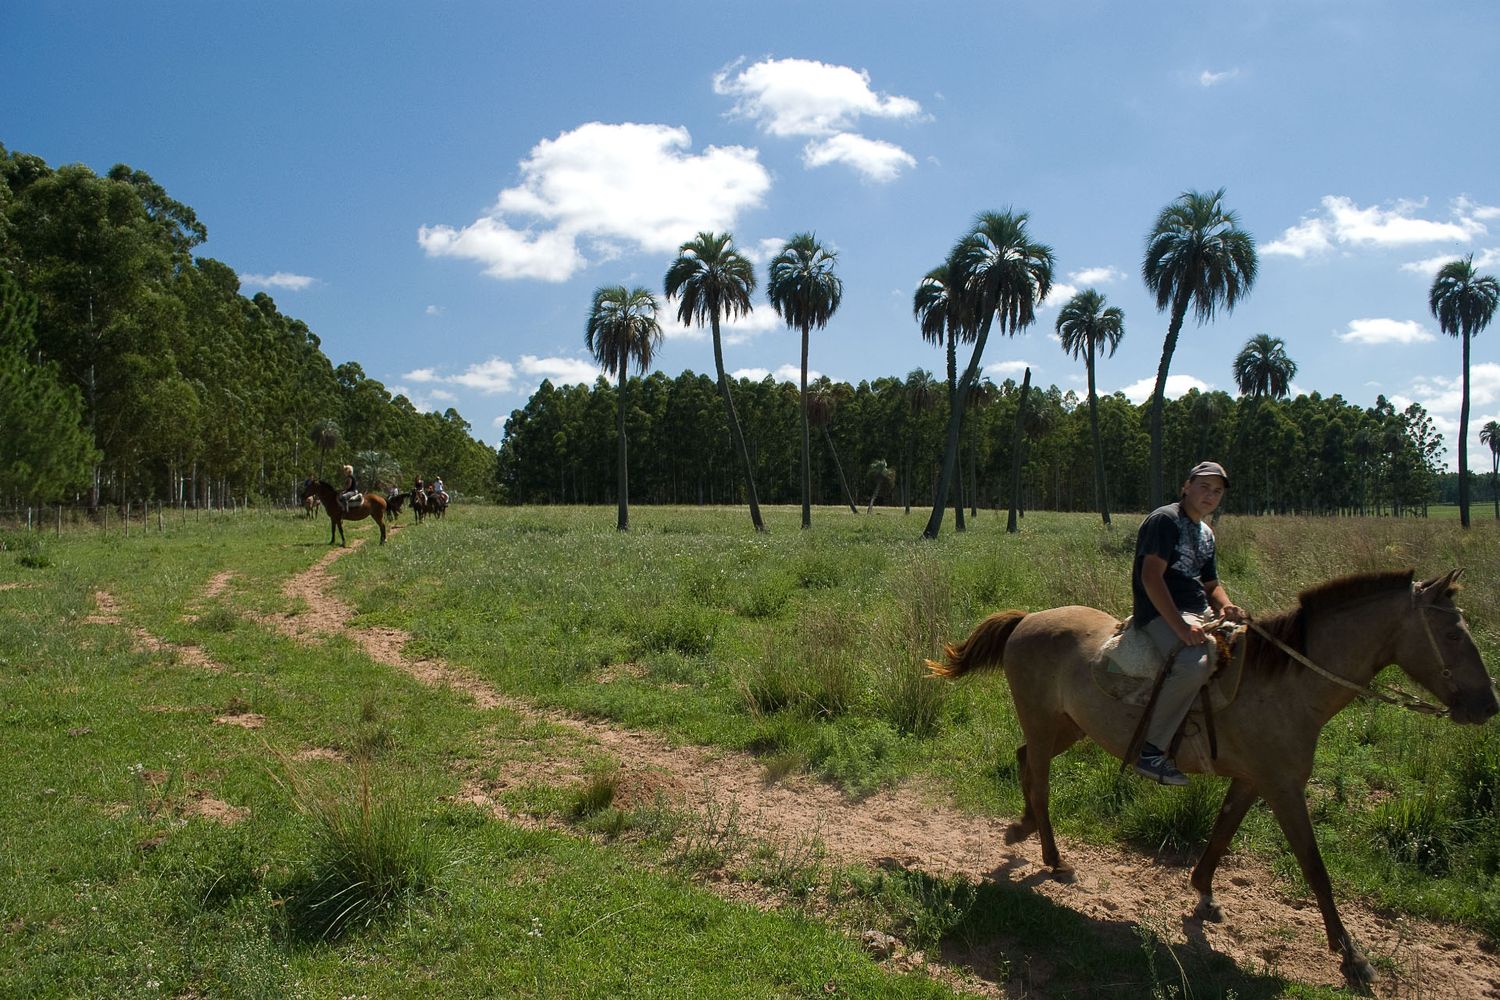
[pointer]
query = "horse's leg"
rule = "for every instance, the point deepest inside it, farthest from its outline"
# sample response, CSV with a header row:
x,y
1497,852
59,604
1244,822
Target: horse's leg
x,y
380,520
1290,807
1237,802
1037,784
1019,831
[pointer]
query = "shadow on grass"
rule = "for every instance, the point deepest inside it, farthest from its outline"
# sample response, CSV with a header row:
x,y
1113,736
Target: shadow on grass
x,y
1015,939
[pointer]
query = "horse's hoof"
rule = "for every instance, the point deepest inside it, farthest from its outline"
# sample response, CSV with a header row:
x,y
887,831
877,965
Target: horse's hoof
x,y
1358,973
1016,832
1064,872
1210,911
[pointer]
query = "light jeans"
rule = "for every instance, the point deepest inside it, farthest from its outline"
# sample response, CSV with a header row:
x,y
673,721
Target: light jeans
x,y
1188,673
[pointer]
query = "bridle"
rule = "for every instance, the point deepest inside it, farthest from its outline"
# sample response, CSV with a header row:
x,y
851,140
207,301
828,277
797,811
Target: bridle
x,y
1372,691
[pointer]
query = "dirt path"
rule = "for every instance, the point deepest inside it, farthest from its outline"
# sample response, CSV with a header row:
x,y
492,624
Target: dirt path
x,y
1267,929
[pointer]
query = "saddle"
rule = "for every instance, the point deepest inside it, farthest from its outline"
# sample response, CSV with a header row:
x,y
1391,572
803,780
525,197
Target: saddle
x,y
1129,668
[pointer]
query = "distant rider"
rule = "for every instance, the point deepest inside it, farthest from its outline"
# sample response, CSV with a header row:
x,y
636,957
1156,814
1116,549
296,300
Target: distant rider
x,y
351,488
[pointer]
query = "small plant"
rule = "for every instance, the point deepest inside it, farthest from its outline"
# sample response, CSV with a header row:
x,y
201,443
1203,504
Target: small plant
x,y
218,619
907,697
1171,821
369,855
1418,830
595,795
712,840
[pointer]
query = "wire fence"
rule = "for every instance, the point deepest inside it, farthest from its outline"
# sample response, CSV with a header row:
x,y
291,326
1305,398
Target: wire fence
x,y
131,517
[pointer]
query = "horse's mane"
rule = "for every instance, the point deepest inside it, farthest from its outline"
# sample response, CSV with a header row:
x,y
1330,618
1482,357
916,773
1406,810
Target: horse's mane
x,y
1291,626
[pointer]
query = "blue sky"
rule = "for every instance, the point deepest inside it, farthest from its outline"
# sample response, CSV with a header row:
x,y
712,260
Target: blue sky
x,y
437,189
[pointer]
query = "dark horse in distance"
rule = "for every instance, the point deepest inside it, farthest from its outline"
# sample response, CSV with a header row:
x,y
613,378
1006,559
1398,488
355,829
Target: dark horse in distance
x,y
372,506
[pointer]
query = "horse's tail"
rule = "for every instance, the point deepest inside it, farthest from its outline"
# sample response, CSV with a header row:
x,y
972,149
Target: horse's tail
x,y
983,648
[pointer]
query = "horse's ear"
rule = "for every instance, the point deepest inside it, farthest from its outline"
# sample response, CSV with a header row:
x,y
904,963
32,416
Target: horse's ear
x,y
1440,585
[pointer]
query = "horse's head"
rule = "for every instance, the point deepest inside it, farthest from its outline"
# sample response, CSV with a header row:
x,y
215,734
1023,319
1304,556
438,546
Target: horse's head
x,y
1438,651
309,488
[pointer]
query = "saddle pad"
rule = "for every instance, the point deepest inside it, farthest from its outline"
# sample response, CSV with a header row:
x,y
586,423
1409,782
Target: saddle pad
x,y
1117,669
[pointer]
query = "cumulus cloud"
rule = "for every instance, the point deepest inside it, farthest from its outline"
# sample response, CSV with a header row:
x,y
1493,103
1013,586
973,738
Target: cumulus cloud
x,y
794,97
1443,395
1007,369
785,373
434,310
281,279
1385,331
497,375
421,375
600,190
876,159
787,98
1177,385
739,330
1430,266
1343,223
1059,294
1097,275
1208,78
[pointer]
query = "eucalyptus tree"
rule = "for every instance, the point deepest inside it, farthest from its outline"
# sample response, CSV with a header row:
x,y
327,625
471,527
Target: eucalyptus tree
x,y
1196,256
805,292
621,330
1002,274
1489,434
1263,368
711,281
984,395
1085,326
939,309
920,390
1463,303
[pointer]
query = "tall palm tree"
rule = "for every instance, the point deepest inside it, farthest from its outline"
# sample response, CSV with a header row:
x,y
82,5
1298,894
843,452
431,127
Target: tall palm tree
x,y
805,292
823,400
622,328
1263,368
1002,274
1490,434
325,434
1084,328
712,280
879,476
1464,303
1196,255
939,309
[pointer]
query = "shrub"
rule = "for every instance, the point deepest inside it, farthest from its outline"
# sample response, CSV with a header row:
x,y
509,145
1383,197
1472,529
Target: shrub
x,y
1172,820
685,628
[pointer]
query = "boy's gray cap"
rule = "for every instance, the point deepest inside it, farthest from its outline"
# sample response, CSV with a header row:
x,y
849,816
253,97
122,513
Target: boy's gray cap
x,y
1209,469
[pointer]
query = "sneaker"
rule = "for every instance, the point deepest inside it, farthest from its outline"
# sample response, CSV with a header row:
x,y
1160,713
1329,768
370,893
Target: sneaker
x,y
1157,766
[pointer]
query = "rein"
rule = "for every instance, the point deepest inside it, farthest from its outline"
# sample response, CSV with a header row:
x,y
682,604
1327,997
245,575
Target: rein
x,y
1389,695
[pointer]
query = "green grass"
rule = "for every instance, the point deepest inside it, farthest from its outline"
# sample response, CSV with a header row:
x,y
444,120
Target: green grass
x,y
801,647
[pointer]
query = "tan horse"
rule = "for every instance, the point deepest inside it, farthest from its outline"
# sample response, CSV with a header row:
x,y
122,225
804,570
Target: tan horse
x,y
372,506
1351,628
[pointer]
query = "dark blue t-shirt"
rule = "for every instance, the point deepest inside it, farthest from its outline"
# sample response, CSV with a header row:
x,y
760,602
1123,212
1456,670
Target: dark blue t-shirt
x,y
1188,549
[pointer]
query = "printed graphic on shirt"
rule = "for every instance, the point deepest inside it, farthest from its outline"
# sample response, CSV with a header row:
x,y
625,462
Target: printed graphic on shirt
x,y
1195,548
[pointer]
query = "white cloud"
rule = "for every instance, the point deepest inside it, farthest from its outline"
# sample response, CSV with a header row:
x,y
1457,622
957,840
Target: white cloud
x,y
444,395
561,371
281,279
1177,385
611,188
739,330
1208,78
1006,369
434,310
753,374
1344,223
1430,266
1059,294
422,375
492,376
1097,275
802,97
877,160
1441,395
1385,331
785,373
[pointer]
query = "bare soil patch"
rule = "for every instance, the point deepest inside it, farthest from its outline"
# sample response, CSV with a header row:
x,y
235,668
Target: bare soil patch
x,y
108,613
1270,927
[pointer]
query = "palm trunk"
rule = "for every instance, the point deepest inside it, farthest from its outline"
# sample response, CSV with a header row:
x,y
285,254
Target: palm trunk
x,y
1017,441
1101,491
622,522
734,428
806,441
958,475
1495,480
1158,396
973,472
955,421
839,466
1463,440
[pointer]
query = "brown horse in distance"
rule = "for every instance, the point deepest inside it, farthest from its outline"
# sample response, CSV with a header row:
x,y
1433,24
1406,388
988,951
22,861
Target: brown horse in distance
x,y
1351,628
372,506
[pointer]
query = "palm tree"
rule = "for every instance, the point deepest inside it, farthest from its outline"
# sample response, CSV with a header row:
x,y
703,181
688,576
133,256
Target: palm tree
x,y
1263,368
713,280
325,434
823,400
1490,434
1464,303
1084,327
805,292
622,328
879,476
1196,255
941,319
1003,274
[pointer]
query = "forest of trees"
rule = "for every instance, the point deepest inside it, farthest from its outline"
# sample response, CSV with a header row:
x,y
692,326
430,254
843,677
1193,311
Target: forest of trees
x,y
1305,455
129,368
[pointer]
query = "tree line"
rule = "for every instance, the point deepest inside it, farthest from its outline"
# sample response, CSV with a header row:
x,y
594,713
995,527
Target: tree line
x,y
131,368
1310,455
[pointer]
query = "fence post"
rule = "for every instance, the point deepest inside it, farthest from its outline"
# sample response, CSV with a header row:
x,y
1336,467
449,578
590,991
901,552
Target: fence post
x,y
28,519
59,520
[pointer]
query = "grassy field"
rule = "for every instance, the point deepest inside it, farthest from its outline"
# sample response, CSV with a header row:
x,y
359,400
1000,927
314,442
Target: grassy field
x,y
152,846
